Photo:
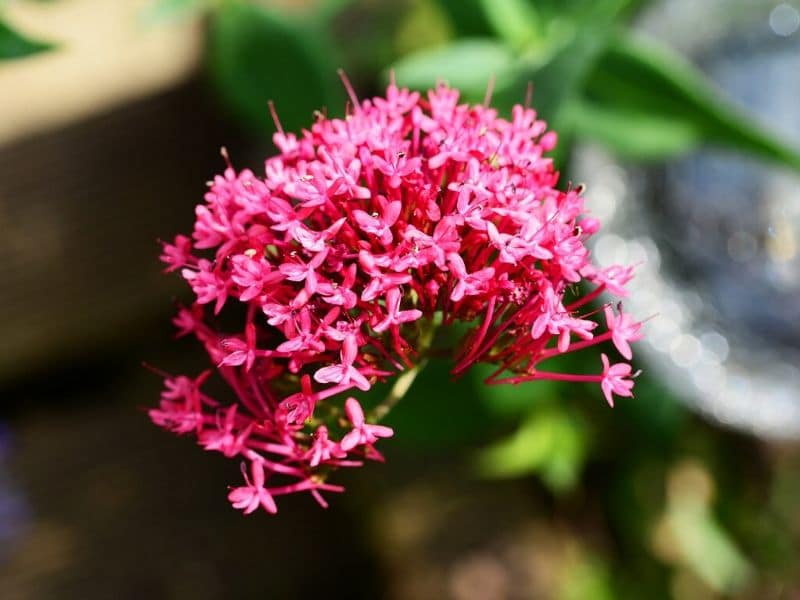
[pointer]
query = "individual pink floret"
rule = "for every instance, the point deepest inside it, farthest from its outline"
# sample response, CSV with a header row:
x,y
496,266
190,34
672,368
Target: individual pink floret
x,y
362,434
252,495
616,380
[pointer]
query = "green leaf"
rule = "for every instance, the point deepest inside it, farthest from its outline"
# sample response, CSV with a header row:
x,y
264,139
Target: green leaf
x,y
14,45
708,549
169,10
467,17
256,55
573,9
631,133
329,9
589,578
558,68
550,442
557,64
466,64
515,21
656,87
423,25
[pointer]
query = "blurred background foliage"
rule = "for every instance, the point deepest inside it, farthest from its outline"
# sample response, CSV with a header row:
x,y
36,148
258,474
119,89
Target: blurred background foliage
x,y
643,501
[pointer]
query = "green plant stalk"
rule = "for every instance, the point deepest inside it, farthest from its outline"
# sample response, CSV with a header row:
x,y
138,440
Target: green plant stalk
x,y
406,379
398,391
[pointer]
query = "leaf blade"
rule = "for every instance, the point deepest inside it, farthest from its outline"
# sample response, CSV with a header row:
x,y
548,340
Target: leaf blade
x,y
256,55
643,77
515,21
551,442
467,65
631,134
557,70
14,45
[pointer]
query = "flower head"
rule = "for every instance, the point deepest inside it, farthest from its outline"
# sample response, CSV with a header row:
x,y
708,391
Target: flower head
x,y
361,236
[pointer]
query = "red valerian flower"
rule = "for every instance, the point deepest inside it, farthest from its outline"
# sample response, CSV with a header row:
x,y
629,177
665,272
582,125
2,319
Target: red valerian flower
x,y
363,236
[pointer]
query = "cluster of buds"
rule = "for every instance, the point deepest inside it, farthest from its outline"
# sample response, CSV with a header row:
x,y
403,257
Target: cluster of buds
x,y
364,235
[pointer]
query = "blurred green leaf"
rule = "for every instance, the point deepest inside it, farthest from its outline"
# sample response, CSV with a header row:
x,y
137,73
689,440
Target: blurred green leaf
x,y
364,35
589,579
256,55
657,87
168,10
423,25
631,133
14,45
550,442
558,71
558,64
708,549
329,9
515,21
574,9
467,17
466,64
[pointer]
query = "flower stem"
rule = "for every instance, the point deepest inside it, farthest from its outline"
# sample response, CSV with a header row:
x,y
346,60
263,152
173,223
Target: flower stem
x,y
398,391
405,379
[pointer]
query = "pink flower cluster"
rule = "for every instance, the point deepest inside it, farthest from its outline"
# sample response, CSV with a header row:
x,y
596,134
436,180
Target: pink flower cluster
x,y
363,236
